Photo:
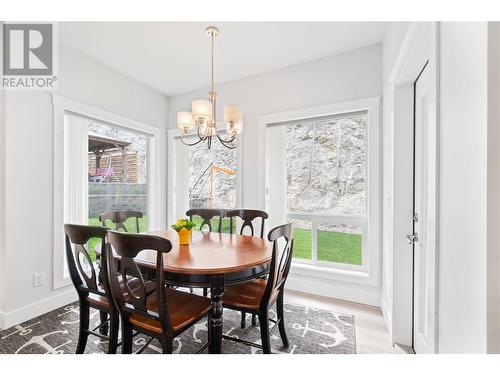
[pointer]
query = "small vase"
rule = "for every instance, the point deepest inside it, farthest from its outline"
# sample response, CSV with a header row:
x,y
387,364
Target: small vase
x,y
184,236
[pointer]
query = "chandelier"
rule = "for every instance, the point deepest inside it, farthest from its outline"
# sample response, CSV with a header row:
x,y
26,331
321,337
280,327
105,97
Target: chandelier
x,y
203,115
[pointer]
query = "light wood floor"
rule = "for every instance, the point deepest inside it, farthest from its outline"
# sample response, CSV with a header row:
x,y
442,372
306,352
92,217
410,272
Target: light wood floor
x,y
371,331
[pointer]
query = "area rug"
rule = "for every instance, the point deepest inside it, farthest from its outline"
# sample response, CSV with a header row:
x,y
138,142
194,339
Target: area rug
x,y
309,330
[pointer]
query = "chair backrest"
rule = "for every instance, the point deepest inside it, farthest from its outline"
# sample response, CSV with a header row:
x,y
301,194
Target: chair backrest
x,y
79,262
282,238
119,217
127,246
207,214
247,216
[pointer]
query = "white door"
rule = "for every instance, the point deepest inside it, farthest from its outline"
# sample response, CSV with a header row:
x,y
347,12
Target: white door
x,y
424,240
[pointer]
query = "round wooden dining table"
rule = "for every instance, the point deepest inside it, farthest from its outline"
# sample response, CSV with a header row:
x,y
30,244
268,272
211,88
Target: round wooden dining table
x,y
211,260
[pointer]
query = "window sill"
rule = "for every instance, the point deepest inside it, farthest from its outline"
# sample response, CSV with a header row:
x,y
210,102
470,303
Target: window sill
x,y
329,273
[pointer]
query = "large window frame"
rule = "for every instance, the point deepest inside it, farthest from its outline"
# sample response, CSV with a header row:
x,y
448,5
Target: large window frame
x,y
76,208
369,272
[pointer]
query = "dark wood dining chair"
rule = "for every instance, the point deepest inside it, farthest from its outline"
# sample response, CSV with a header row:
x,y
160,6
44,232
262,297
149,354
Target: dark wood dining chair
x,y
91,292
207,215
248,216
118,218
259,295
164,314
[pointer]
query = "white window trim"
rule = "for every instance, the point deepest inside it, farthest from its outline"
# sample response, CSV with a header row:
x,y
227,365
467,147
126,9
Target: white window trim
x,y
174,136
315,219
156,173
371,274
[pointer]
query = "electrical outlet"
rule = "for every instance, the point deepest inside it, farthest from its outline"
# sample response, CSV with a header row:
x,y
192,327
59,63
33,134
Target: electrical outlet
x,y
38,278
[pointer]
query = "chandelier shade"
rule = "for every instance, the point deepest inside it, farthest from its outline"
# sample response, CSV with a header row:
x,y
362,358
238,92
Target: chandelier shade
x,y
185,121
201,110
203,115
232,113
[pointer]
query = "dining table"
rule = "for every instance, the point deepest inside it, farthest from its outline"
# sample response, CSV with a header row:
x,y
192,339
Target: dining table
x,y
211,260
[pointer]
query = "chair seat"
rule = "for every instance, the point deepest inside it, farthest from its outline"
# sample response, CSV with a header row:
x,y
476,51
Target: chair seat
x,y
245,296
101,301
184,308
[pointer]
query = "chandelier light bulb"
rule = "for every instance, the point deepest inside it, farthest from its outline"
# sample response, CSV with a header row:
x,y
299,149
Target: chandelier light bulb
x,y
234,128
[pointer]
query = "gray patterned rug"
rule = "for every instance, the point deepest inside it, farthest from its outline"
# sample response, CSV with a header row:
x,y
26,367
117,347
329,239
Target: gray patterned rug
x,y
309,330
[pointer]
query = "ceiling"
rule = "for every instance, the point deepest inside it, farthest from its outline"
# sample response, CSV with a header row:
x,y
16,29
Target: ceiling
x,y
173,57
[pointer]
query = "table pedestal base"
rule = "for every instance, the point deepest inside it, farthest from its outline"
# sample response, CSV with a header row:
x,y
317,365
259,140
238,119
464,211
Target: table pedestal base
x,y
215,316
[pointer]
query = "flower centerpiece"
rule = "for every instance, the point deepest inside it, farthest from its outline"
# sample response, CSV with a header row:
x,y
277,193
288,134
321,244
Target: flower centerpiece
x,y
183,227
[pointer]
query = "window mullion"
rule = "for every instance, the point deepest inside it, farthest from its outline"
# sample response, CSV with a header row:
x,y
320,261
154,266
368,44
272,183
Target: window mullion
x,y
314,238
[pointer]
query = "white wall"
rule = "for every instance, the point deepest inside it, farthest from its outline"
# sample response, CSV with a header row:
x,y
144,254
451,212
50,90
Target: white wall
x,y
29,172
463,183
493,257
349,76
391,46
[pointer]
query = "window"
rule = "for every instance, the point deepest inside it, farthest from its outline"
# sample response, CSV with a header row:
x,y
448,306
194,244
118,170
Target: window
x,y
205,178
322,175
326,165
75,170
326,179
117,174
212,176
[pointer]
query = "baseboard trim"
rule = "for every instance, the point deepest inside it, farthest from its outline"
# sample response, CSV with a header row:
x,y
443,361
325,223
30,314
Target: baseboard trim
x,y
328,288
387,317
22,314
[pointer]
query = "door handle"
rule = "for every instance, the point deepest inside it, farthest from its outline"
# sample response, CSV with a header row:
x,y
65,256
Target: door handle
x,y
412,238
